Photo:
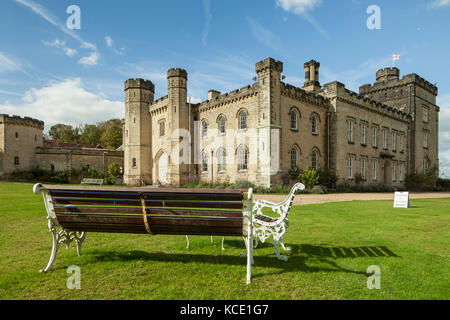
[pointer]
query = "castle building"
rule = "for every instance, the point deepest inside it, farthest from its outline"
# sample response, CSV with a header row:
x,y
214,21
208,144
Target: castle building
x,y
23,148
379,135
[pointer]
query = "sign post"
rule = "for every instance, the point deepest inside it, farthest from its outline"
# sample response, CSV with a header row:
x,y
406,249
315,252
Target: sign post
x,y
401,200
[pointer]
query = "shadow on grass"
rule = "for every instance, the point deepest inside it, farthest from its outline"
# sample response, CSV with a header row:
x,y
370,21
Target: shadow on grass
x,y
346,252
294,264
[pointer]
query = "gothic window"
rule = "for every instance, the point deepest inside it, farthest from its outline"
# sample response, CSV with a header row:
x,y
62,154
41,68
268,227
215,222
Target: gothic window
x,y
425,165
222,160
16,161
243,120
315,126
385,146
394,141
425,140
242,158
294,158
204,129
425,114
222,124
314,160
134,164
294,120
204,162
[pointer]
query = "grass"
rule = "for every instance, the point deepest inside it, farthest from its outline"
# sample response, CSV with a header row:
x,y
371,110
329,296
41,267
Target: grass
x,y
332,246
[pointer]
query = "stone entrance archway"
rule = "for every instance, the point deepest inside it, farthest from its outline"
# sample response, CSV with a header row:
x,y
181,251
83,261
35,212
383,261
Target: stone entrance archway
x,y
162,164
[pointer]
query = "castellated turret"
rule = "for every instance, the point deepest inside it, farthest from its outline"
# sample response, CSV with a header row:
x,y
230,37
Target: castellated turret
x,y
388,74
139,93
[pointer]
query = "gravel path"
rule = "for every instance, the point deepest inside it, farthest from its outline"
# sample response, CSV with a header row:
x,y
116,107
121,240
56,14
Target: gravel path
x,y
340,197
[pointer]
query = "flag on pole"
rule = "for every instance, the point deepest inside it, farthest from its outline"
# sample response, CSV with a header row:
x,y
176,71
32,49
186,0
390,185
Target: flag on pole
x,y
395,57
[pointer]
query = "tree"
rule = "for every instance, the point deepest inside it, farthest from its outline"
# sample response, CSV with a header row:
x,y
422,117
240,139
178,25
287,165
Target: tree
x,y
112,136
91,134
64,133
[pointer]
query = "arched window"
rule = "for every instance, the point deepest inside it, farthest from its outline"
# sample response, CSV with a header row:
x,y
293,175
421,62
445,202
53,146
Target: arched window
x,y
204,129
294,120
134,164
16,161
222,160
425,165
315,126
222,124
314,160
204,162
242,158
294,158
243,120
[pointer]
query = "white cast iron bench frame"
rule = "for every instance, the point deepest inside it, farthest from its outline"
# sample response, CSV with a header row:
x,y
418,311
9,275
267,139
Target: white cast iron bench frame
x,y
265,227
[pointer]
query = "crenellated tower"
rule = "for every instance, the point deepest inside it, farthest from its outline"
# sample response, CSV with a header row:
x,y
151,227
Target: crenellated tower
x,y
269,120
179,125
137,144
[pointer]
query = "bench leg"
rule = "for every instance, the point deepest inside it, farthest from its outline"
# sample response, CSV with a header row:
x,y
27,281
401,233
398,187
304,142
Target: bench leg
x,y
223,240
79,241
187,240
55,247
283,245
250,261
277,251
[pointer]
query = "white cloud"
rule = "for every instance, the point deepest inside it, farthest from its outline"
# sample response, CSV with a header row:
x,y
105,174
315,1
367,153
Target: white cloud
x,y
298,6
208,18
90,60
264,35
61,45
301,8
9,64
109,41
439,3
65,102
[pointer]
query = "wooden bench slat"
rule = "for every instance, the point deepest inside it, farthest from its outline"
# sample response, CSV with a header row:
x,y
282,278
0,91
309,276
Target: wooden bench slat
x,y
153,221
145,195
149,203
150,211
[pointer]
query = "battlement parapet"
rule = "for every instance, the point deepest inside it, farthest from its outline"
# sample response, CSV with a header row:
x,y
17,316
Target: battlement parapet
x,y
139,84
177,72
269,63
21,121
405,81
234,95
302,95
312,63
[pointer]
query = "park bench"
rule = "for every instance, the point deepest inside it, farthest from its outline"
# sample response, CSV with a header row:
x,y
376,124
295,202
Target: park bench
x,y
73,211
92,181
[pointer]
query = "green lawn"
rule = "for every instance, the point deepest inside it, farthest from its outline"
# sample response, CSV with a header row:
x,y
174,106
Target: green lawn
x,y
332,247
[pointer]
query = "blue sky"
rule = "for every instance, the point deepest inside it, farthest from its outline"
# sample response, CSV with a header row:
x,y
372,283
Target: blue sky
x,y
76,76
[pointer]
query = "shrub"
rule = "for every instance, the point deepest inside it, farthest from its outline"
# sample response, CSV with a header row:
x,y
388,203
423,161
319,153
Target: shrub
x,y
309,178
328,178
292,176
421,181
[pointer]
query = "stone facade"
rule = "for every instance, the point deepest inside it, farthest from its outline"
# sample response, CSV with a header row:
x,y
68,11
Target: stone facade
x,y
22,149
259,132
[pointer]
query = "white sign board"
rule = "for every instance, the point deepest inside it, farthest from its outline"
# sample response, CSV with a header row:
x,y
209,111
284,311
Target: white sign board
x,y
401,200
